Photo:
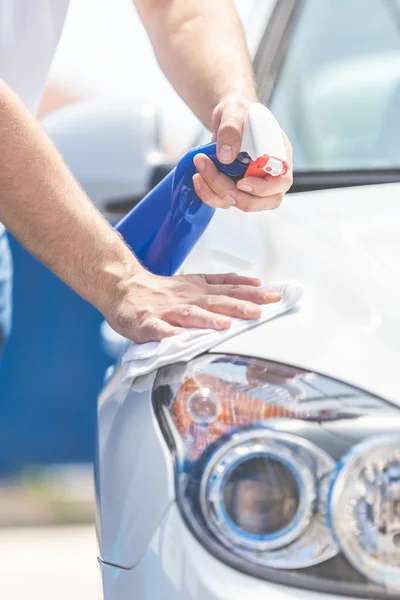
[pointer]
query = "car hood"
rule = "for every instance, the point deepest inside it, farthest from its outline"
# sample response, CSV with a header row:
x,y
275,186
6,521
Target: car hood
x,y
344,245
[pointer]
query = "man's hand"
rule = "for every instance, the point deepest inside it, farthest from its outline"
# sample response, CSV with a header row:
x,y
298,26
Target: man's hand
x,y
44,207
250,194
151,307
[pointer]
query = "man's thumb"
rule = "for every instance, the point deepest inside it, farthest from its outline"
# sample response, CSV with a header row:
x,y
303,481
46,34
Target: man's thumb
x,y
229,133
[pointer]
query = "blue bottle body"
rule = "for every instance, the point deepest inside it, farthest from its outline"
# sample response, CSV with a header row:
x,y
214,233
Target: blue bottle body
x,y
163,228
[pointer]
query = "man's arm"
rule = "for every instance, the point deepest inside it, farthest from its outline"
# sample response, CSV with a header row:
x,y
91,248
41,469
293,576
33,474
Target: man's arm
x,y
44,207
201,47
202,50
47,211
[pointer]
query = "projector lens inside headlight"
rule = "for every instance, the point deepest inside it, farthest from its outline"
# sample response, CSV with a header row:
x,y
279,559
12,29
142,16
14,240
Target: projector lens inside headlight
x,y
365,508
261,496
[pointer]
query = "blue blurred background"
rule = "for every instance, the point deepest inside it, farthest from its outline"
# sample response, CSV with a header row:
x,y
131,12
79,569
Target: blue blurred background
x,y
52,370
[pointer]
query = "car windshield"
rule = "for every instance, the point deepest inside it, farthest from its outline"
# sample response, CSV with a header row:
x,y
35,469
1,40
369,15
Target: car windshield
x,y
338,93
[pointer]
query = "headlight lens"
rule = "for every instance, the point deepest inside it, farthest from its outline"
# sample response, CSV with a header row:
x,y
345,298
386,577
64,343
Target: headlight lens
x,y
365,508
257,447
261,495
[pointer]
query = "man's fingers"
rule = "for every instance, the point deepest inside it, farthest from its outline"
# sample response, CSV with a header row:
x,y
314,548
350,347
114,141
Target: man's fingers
x,y
254,204
232,279
195,316
219,183
248,293
229,133
241,200
154,330
219,191
266,186
228,141
231,198
208,196
231,306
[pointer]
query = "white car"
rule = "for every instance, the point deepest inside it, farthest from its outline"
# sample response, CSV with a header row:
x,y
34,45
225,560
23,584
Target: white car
x,y
269,467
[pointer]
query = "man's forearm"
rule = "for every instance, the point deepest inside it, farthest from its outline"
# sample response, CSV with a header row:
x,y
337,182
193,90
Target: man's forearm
x,y
44,207
201,48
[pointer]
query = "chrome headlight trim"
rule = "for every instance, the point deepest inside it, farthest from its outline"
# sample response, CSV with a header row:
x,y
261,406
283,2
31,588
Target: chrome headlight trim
x,y
360,495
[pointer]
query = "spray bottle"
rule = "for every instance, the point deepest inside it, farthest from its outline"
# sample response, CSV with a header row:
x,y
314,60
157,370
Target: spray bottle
x,y
163,228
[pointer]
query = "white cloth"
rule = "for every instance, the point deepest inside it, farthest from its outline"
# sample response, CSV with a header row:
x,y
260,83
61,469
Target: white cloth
x,y
141,359
29,34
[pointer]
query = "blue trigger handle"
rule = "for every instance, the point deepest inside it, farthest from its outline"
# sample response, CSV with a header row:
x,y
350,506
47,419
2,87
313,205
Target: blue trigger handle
x,y
163,228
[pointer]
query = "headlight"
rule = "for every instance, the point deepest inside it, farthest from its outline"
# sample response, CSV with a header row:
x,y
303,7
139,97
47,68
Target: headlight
x,y
263,496
365,508
286,474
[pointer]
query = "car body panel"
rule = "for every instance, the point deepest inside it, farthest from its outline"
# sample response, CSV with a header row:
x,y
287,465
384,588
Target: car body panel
x,y
343,245
135,477
174,568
